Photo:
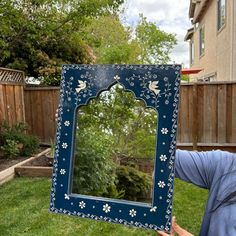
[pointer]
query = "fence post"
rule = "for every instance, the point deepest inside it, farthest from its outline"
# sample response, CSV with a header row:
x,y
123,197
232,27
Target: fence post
x,y
195,118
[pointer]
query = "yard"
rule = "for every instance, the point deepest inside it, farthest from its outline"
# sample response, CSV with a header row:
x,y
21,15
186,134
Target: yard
x,y
24,204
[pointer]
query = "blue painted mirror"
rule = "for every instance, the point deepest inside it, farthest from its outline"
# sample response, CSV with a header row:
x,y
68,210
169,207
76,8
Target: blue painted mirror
x,y
84,157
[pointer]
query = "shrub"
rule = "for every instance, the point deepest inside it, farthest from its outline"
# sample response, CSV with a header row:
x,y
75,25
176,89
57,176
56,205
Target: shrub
x,y
10,148
94,169
135,183
15,140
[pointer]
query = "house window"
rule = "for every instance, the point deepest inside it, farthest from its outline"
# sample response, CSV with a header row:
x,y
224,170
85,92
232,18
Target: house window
x,y
202,40
221,13
191,52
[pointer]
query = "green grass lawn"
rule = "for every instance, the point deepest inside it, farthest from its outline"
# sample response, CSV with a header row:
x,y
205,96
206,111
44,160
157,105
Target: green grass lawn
x,y
24,206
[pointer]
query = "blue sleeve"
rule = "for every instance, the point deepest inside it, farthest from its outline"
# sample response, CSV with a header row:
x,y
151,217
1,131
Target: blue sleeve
x,y
196,167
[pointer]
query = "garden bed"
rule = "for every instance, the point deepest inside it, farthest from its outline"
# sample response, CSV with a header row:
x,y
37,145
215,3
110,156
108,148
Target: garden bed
x,y
8,167
39,166
6,163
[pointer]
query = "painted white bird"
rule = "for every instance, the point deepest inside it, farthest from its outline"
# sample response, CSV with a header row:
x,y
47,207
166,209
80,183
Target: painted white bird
x,y
153,86
82,85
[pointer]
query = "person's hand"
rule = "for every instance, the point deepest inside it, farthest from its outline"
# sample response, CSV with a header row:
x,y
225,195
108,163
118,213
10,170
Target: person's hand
x,y
175,229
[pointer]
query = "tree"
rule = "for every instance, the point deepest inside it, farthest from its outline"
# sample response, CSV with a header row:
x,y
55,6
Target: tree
x,y
155,44
129,124
112,42
38,36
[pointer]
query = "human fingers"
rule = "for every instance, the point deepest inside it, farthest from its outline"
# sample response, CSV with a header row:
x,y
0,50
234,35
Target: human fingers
x,y
162,233
180,231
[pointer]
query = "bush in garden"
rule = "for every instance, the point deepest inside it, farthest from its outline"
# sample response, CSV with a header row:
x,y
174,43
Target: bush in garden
x,y
15,140
94,169
135,183
10,148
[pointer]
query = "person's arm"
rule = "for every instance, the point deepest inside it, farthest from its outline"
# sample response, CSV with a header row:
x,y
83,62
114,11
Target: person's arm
x,y
197,167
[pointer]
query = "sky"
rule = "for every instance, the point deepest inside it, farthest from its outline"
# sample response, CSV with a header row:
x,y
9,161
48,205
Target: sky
x,y
170,16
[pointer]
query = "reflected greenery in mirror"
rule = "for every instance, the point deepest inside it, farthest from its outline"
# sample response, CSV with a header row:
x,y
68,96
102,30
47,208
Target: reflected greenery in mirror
x,y
115,147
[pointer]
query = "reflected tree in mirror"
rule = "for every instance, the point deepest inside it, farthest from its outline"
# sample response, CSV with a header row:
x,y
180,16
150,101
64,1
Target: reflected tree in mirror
x,y
115,147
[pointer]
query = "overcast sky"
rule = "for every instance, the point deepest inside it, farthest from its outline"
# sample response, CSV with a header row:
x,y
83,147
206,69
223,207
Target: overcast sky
x,y
170,16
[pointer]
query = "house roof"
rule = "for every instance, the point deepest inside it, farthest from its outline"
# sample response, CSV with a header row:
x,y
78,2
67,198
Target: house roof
x,y
192,8
196,9
189,34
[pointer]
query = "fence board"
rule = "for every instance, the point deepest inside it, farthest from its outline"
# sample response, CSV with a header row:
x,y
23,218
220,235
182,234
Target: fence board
x,y
2,103
233,114
229,114
209,120
10,104
11,96
42,104
200,113
19,103
221,116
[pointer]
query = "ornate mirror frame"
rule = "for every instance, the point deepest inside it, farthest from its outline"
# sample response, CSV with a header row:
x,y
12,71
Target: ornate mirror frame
x,y
158,86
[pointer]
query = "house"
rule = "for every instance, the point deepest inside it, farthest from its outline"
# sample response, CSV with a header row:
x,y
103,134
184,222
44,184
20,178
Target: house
x,y
212,39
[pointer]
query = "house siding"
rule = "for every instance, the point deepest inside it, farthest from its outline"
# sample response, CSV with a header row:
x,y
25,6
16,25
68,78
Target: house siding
x,y
220,49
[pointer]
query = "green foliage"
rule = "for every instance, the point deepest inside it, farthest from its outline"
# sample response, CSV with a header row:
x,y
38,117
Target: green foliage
x,y
10,148
112,42
39,36
15,140
185,78
135,183
127,122
112,192
94,167
155,44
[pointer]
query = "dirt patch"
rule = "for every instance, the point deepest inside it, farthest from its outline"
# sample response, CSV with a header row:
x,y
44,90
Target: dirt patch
x,y
6,163
41,161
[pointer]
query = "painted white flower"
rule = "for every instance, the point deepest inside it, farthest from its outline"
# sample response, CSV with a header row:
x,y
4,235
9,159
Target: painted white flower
x,y
66,196
132,213
67,123
164,131
82,204
62,171
163,157
116,77
106,208
64,145
161,184
153,209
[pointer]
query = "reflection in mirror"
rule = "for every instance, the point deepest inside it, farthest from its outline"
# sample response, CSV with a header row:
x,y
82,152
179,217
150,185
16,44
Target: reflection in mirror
x,y
115,147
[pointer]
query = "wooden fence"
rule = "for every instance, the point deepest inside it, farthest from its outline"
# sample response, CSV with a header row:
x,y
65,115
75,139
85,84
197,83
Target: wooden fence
x,y
40,106
12,96
207,117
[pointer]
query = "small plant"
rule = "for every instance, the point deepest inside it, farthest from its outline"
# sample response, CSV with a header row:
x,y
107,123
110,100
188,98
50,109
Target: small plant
x,y
10,148
15,140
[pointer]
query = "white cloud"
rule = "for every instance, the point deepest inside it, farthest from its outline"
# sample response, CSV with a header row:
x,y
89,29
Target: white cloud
x,y
169,15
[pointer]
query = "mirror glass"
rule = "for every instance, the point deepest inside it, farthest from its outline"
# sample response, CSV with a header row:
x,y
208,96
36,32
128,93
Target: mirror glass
x,y
115,147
